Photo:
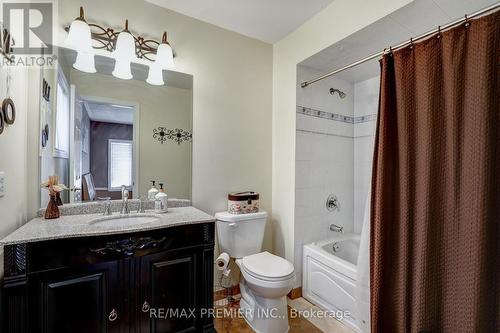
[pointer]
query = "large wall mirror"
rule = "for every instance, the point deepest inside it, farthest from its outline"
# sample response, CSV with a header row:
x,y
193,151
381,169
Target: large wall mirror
x,y
99,133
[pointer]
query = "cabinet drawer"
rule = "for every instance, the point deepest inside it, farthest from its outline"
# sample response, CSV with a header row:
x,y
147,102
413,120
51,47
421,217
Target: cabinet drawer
x,y
68,252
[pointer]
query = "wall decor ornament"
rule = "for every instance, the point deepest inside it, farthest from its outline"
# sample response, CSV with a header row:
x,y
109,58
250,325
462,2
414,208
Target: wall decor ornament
x,y
46,90
6,44
8,108
45,135
177,135
9,111
2,122
160,134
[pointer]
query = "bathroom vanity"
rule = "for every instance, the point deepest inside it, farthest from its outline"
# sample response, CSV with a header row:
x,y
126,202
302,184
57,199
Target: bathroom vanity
x,y
89,273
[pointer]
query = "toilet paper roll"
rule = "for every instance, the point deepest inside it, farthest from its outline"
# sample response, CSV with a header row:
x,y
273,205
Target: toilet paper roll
x,y
222,261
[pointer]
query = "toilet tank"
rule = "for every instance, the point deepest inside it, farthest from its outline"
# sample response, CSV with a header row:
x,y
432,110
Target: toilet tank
x,y
240,235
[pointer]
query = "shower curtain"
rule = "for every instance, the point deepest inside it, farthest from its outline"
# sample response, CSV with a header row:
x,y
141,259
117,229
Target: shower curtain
x,y
435,205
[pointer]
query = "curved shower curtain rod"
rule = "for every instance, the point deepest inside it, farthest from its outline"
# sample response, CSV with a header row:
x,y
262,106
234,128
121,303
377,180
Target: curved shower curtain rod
x,y
403,44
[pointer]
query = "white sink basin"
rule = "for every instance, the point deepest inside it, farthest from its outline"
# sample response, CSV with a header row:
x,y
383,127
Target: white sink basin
x,y
124,221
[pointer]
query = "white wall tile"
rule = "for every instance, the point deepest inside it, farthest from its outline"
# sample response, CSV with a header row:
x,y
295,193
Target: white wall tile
x,y
303,146
302,174
332,157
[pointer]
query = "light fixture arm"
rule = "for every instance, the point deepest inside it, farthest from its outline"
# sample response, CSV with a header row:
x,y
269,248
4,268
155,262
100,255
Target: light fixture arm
x,y
105,38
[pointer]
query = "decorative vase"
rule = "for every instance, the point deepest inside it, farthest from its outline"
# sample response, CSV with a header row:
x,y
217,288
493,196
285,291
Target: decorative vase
x,y
58,199
52,211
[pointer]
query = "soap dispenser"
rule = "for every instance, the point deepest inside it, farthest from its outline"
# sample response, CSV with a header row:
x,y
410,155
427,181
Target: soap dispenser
x,y
153,191
161,200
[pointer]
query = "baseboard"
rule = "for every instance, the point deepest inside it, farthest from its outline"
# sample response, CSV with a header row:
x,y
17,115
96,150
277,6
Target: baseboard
x,y
235,290
295,293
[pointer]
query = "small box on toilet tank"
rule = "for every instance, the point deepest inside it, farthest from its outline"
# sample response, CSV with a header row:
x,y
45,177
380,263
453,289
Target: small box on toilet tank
x,y
243,202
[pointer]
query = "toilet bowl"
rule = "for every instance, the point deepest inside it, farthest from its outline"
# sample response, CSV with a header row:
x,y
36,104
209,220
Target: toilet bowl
x,y
264,290
266,279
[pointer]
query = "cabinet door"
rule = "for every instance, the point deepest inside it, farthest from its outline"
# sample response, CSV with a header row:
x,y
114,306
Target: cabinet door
x,y
84,299
168,292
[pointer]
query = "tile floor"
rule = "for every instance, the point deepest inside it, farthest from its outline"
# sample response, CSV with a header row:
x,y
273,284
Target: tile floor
x,y
298,324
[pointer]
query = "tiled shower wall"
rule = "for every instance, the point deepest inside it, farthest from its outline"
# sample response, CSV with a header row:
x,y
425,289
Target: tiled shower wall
x,y
332,139
366,94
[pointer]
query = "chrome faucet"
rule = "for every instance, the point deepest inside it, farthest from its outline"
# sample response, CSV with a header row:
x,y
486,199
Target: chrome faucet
x,y
336,228
125,209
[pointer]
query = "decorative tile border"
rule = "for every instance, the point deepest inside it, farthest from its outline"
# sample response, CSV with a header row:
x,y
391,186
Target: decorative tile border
x,y
336,135
365,119
335,116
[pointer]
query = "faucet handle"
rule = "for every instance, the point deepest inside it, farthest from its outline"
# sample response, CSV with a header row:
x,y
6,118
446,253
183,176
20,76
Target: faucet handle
x,y
107,205
332,203
142,202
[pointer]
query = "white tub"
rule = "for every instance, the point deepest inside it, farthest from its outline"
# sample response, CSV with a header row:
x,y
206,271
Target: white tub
x,y
329,277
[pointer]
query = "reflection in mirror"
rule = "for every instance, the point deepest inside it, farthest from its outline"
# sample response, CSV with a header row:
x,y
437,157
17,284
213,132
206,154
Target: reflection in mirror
x,y
99,133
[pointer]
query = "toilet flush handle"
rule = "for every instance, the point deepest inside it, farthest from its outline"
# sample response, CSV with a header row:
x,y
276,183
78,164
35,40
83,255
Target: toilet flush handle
x,y
232,224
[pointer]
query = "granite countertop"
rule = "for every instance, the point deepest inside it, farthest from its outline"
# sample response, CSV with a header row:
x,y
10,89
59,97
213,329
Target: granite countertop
x,y
69,226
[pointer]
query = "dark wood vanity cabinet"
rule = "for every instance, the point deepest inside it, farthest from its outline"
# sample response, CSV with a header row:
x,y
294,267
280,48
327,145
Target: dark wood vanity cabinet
x,y
155,281
80,299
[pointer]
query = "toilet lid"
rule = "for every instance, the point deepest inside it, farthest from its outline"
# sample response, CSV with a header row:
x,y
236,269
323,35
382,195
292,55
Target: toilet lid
x,y
267,265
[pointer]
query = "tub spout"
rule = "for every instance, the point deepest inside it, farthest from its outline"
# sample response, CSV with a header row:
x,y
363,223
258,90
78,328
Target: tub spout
x,y
336,228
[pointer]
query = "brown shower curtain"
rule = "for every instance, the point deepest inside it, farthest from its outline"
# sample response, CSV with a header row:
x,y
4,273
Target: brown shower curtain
x,y
435,250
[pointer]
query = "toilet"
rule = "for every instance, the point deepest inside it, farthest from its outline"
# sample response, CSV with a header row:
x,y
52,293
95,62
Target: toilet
x,y
266,279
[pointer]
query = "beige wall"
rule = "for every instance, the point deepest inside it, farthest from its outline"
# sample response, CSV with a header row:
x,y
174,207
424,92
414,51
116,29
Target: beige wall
x,y
170,107
335,22
13,157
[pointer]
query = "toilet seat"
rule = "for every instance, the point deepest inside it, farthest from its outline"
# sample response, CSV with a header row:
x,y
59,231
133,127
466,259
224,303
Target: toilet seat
x,y
267,267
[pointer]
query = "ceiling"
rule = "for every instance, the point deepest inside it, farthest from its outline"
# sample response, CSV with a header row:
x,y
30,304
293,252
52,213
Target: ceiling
x,y
109,113
265,20
415,18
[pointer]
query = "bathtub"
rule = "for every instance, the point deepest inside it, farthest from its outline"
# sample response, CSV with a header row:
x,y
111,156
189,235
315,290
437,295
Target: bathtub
x,y
329,276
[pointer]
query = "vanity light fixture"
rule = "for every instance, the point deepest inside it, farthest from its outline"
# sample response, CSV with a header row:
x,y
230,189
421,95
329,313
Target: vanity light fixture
x,y
155,75
124,54
79,39
164,60
164,54
85,62
79,35
89,39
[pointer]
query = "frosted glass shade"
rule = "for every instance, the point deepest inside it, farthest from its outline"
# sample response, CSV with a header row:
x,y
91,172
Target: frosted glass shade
x,y
122,69
124,53
155,76
164,56
79,37
85,62
125,46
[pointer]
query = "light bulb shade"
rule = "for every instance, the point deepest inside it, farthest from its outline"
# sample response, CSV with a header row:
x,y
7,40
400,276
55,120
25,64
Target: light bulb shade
x,y
155,76
85,62
125,46
164,56
79,37
122,69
